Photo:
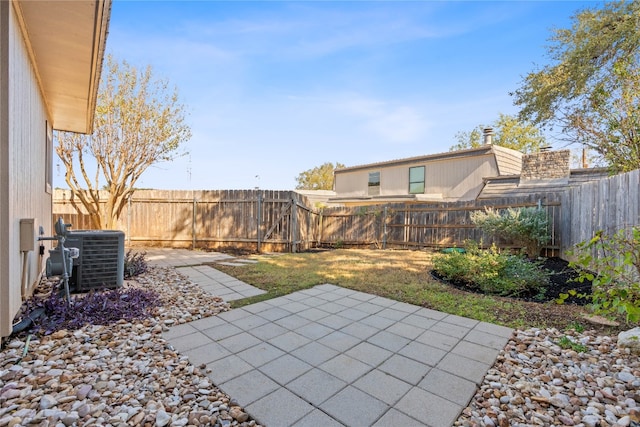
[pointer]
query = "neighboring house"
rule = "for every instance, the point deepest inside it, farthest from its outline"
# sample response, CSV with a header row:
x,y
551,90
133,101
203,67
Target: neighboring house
x,y
51,56
445,177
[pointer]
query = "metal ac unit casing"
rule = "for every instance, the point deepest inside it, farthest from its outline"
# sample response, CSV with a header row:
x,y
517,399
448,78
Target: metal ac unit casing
x,y
100,263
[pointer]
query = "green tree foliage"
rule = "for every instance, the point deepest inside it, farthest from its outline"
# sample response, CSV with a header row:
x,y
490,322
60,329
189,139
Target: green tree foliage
x,y
591,88
612,264
138,122
509,132
318,178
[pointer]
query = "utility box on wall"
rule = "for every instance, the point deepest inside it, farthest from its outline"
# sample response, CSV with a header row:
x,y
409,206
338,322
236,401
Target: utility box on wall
x,y
27,234
100,263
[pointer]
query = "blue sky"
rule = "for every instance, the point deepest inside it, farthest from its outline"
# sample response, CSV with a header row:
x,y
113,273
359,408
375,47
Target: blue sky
x,y
276,88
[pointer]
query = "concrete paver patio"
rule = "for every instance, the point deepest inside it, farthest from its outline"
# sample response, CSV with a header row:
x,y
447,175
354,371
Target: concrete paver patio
x,y
331,356
290,362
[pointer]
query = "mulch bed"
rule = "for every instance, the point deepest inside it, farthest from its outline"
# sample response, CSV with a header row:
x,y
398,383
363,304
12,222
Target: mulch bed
x,y
561,281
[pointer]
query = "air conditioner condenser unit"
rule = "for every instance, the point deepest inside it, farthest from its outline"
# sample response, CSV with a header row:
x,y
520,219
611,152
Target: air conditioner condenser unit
x,y
100,262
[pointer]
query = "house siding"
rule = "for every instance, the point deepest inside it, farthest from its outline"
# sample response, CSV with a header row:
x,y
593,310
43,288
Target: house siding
x,y
460,179
455,178
4,168
23,165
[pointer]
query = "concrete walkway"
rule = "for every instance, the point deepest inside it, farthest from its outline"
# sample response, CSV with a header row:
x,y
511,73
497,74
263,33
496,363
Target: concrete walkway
x,y
330,356
181,257
211,280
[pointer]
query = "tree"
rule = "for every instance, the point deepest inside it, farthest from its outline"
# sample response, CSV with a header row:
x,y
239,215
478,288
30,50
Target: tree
x,y
509,133
318,178
138,122
591,88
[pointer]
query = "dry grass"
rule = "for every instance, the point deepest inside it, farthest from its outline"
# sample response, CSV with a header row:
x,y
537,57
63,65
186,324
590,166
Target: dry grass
x,y
397,274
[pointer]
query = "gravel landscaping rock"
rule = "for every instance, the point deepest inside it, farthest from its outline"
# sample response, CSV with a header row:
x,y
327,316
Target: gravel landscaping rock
x,y
536,382
124,374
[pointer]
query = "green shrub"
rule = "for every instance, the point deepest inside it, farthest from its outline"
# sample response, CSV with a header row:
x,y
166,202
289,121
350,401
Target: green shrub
x,y
525,227
134,264
492,272
616,281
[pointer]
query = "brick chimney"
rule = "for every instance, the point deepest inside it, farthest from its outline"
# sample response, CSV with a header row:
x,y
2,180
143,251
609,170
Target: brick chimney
x,y
546,166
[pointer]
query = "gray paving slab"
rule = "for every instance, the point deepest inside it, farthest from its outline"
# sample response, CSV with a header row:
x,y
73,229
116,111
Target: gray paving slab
x,y
249,387
405,369
354,407
167,257
285,369
429,408
280,408
316,386
227,368
260,354
388,340
382,386
458,390
395,418
207,353
336,357
318,418
345,367
314,353
211,280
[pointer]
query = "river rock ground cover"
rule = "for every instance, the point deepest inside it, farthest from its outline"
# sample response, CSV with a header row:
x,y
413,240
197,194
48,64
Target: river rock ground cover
x,y
126,374
123,374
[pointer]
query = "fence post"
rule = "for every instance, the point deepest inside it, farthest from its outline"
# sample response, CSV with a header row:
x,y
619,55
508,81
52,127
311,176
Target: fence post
x,y
320,225
407,227
129,220
307,244
259,220
294,225
193,225
384,227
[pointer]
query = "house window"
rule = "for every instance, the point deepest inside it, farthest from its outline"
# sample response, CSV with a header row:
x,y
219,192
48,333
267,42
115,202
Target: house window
x,y
416,180
48,158
374,183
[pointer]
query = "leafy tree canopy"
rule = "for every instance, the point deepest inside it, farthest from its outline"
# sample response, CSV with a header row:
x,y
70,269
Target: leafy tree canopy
x,y
590,90
138,122
318,178
508,131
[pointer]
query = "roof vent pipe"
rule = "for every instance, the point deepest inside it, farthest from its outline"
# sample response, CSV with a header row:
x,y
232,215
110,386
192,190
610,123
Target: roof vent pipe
x,y
488,135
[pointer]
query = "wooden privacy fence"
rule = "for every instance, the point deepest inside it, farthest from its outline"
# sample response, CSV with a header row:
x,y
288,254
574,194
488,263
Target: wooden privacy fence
x,y
261,220
434,225
609,204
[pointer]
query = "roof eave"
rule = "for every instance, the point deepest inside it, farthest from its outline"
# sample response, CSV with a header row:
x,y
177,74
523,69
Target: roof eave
x,y
66,43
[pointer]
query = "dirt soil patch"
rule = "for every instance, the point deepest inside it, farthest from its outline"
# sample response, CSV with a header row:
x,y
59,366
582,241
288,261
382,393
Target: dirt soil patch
x,y
563,279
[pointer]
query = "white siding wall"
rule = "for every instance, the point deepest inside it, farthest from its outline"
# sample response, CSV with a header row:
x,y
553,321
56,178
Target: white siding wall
x,y
456,178
352,184
4,168
459,178
26,169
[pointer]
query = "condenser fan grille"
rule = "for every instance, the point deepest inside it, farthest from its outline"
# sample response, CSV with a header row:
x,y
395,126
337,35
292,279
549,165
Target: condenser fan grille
x,y
100,263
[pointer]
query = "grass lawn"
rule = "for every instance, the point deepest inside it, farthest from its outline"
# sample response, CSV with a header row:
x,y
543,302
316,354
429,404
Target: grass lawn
x,y
401,275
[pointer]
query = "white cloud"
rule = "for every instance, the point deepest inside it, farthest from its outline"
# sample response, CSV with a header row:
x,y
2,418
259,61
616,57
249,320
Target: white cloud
x,y
390,121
